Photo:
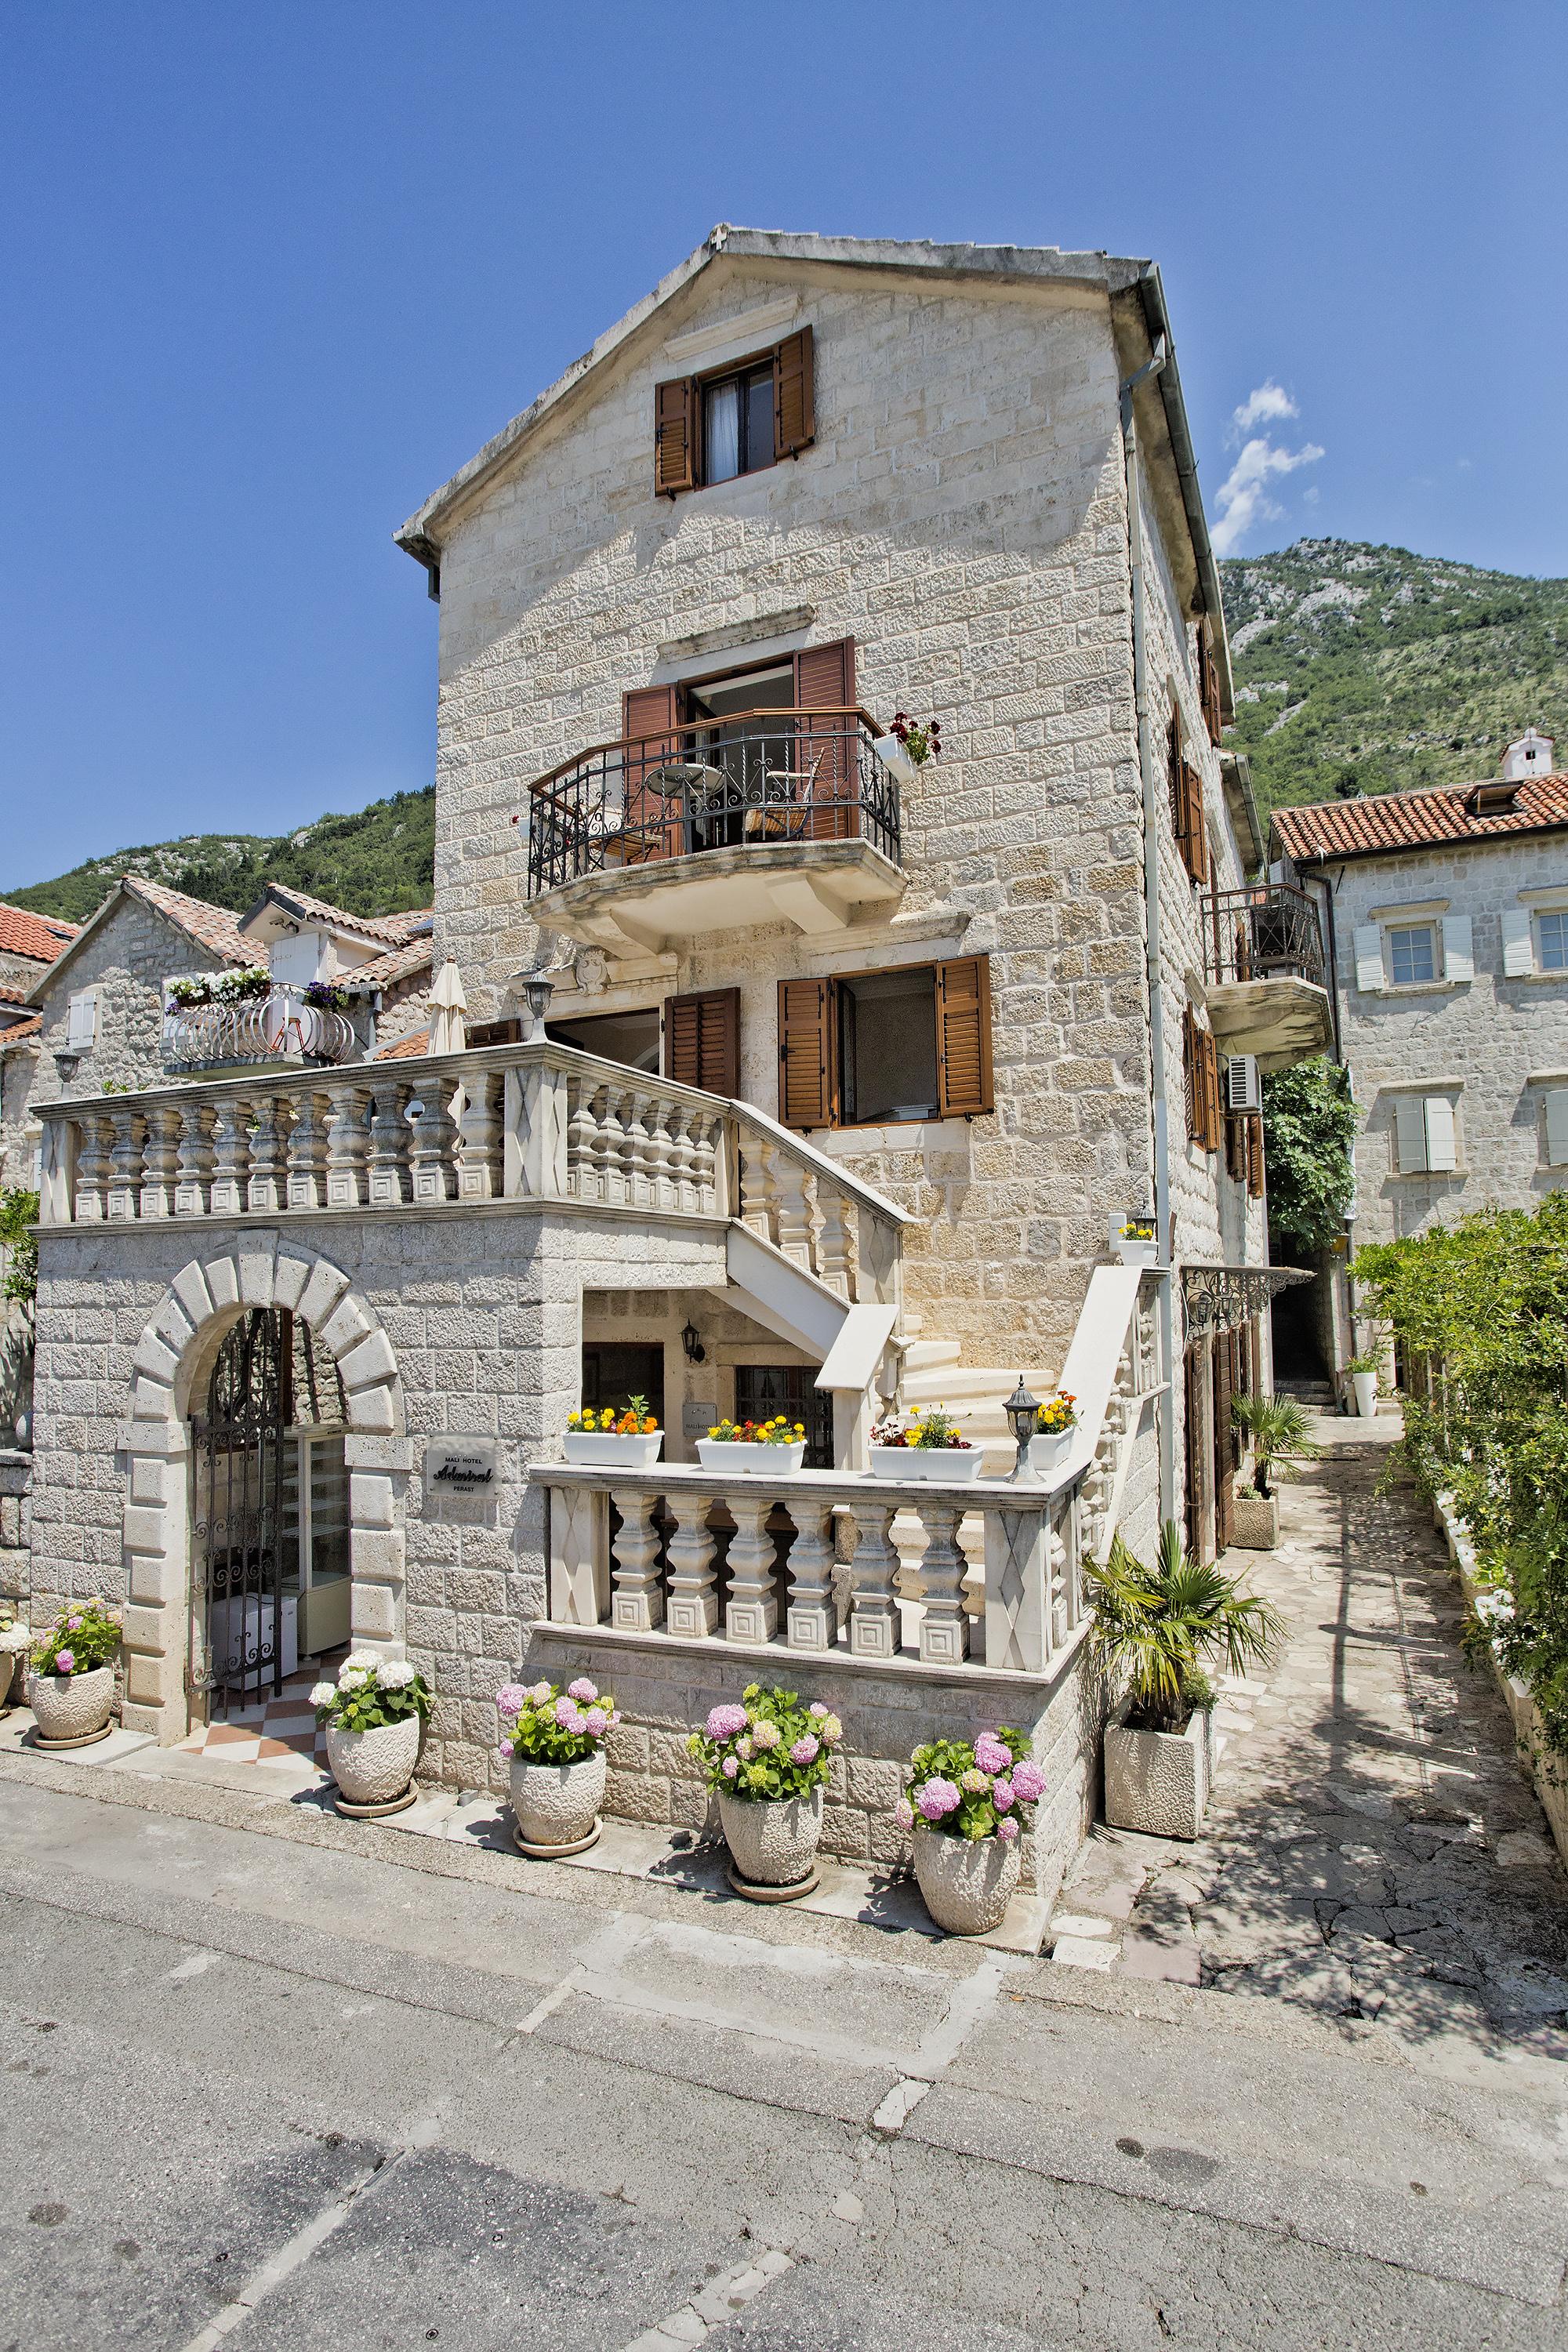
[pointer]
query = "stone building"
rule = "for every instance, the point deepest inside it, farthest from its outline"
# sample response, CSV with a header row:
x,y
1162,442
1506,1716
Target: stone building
x,y
28,945
803,1073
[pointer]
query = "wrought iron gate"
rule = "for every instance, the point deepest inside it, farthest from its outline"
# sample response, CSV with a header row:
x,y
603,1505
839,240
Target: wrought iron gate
x,y
237,1640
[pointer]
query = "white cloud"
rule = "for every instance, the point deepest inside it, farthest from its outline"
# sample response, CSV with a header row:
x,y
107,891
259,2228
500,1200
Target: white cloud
x,y
1243,496
1261,406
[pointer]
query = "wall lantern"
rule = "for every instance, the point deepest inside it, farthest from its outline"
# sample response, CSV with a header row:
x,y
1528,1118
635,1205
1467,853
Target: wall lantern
x,y
691,1340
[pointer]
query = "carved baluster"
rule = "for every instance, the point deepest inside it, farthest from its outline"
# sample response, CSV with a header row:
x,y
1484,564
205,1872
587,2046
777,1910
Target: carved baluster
x,y
609,1146
125,1163
478,1136
348,1146
429,1142
944,1629
159,1163
793,1211
759,1190
636,1603
231,1156
682,1123
664,1128
639,1148
192,1192
388,1146
581,1130
693,1607
832,1240
874,1615
268,1136
707,1133
752,1614
812,1621
307,1157
94,1167
1069,1569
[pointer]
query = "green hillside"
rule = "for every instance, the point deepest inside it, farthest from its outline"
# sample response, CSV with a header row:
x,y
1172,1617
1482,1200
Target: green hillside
x,y
377,862
1397,670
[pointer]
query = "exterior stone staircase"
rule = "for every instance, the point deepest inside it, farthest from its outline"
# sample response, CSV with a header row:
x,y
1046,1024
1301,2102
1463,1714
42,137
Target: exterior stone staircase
x,y
974,1395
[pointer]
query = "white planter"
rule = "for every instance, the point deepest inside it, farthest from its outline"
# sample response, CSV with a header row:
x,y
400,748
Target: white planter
x,y
71,1706
1137,1253
947,1464
772,1844
1158,1782
1365,1387
895,759
374,1768
764,1461
556,1806
966,1883
1051,1450
601,1450
1255,1522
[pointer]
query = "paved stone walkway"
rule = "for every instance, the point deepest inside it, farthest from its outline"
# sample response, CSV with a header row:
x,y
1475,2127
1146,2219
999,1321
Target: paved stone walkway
x,y
1372,1851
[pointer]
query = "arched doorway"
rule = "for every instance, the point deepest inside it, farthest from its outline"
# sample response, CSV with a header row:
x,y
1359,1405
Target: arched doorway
x,y
270,1568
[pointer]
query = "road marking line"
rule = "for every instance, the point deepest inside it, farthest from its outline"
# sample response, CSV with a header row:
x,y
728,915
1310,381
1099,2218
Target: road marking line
x,y
552,2002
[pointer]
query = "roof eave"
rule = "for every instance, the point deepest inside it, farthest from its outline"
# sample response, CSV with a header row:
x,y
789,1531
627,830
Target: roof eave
x,y
1157,319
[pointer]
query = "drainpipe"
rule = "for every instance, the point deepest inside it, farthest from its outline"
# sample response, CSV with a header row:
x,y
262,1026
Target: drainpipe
x,y
1149,776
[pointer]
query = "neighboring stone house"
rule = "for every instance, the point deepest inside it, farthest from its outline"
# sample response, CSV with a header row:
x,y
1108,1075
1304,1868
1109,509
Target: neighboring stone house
x,y
1447,915
28,945
803,1077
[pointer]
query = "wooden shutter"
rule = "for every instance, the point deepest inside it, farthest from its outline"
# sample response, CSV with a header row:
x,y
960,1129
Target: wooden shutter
x,y
1192,833
1518,945
1236,1147
1190,1074
1223,1389
807,1091
1442,1137
1458,950
963,1083
1208,683
795,395
1368,958
677,406
825,680
703,1041
1410,1134
1254,1169
651,830
1192,1446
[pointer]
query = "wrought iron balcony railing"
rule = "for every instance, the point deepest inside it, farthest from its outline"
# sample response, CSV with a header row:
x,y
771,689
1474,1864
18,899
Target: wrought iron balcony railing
x,y
1267,931
281,1027
762,778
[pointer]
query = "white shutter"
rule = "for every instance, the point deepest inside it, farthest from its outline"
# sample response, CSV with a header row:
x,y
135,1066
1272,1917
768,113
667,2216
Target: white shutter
x,y
1368,956
1441,1152
1459,957
1243,1087
81,1021
1518,947
1409,1134
1557,1128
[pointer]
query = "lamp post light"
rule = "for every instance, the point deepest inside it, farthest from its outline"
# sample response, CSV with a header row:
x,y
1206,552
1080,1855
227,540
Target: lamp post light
x,y
537,990
1023,1412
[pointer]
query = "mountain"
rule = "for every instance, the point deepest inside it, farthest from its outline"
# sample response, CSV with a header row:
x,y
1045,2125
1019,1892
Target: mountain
x,y
378,862
1396,669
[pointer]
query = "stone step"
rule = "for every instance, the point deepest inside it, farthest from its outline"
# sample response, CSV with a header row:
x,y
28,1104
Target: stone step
x,y
969,1383
921,1354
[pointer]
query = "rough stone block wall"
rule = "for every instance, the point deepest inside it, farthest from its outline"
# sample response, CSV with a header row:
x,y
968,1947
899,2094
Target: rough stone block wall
x,y
15,1495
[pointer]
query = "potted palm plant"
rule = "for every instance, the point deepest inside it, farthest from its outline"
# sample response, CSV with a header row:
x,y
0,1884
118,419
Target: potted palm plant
x,y
767,1758
554,1742
71,1687
374,1714
1154,1630
1280,1432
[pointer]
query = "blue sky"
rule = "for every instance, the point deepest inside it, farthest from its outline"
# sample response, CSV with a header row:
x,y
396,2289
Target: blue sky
x,y
274,272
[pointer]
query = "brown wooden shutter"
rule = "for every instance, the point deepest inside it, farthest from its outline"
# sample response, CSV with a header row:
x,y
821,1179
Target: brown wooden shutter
x,y
1224,1439
651,831
1208,683
1236,1148
795,395
676,411
1215,1088
1194,1095
1192,1446
703,1041
807,1091
963,1084
1192,833
825,680
1255,1178
1173,776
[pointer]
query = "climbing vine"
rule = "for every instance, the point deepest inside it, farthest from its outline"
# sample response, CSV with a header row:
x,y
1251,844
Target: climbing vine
x,y
18,1249
1309,1128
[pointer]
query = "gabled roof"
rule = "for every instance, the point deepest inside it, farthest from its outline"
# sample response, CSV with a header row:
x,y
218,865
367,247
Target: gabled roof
x,y
396,964
407,1049
42,937
1386,823
12,1032
421,535
391,930
212,928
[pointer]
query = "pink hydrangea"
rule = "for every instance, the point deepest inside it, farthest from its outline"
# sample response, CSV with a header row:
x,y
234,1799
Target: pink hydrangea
x,y
1028,1782
510,1699
937,1797
766,1735
576,1723
817,1709
1007,1829
904,1813
730,1766
990,1754
582,1690
804,1751
615,1716
1002,1794
725,1722
73,1624
596,1721
565,1708
65,1662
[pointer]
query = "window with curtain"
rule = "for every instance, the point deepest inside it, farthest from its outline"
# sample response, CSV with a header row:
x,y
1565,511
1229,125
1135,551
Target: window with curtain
x,y
738,424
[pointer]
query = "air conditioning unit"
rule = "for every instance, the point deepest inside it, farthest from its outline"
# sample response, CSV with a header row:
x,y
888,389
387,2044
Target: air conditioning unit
x,y
1243,1086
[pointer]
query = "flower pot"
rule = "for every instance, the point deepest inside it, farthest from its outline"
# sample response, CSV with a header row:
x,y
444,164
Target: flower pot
x,y
1255,1522
73,1709
374,1769
602,1450
772,1845
1051,1448
1133,1253
555,1806
766,1461
895,759
1158,1782
1365,1387
952,1466
966,1883
8,1667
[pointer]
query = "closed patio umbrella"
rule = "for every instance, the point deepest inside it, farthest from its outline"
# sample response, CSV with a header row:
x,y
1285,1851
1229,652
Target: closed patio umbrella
x,y
447,1006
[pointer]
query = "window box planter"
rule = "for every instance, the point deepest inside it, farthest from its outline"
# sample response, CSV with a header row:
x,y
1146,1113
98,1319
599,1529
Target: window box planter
x,y
1051,1450
1158,1782
895,759
72,1710
966,1883
1135,1253
603,1450
556,1806
753,1461
950,1465
1255,1522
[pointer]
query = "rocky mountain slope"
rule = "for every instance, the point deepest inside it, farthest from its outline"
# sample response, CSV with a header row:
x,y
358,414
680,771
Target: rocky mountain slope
x,y
1396,669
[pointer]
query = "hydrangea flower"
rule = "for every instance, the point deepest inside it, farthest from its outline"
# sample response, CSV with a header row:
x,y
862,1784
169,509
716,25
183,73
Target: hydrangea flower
x,y
990,1754
904,1813
1007,1829
975,1782
805,1750
65,1662
73,1624
730,1766
510,1699
540,1694
323,1695
817,1709
831,1729
936,1797
766,1737
361,1659
396,1674
614,1717
596,1721
582,1690
1002,1794
725,1722
565,1708
1028,1782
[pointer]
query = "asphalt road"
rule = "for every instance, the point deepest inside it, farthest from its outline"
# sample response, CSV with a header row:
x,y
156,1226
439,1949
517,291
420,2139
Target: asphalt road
x,y
281,2091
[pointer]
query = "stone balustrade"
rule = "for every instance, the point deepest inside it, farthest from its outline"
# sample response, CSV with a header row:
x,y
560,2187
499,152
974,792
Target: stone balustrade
x,y
524,1122
700,1555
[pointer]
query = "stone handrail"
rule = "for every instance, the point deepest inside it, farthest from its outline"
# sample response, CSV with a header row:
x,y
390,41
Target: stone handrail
x,y
532,1121
660,1573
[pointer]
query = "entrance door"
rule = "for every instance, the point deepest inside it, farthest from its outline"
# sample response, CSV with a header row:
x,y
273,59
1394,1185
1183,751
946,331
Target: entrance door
x,y
238,1632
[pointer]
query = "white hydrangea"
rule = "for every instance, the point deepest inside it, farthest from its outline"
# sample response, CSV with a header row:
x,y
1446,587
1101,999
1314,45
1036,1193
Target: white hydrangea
x,y
323,1694
360,1661
352,1678
396,1674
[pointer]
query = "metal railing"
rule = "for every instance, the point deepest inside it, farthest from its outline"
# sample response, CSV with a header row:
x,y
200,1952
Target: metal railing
x,y
1267,931
762,778
282,1026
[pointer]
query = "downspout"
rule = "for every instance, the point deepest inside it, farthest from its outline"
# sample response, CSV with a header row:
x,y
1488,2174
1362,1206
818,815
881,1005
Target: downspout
x,y
1149,777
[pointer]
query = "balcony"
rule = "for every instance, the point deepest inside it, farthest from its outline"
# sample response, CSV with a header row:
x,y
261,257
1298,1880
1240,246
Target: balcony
x,y
280,1028
650,843
1265,976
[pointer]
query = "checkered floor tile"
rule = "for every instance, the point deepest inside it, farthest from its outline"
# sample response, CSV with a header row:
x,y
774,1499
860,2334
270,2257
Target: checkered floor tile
x,y
279,1732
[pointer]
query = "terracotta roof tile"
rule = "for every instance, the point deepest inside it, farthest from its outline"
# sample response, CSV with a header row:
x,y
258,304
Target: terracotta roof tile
x,y
393,928
9,995
42,936
210,926
1383,821
407,1049
19,1029
397,963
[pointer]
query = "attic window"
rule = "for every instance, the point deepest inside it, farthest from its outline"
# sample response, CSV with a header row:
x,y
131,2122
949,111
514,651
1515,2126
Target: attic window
x,y
736,419
1499,798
